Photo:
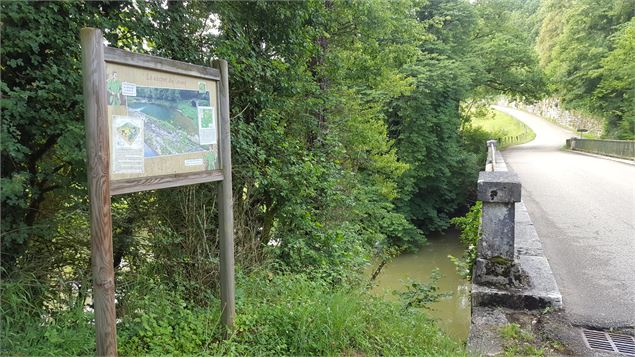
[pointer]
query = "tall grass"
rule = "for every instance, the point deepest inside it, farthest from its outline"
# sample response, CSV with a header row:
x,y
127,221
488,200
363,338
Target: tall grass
x,y
508,130
31,328
284,314
292,315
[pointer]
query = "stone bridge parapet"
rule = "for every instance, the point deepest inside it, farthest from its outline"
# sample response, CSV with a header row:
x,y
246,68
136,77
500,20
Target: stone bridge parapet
x,y
511,270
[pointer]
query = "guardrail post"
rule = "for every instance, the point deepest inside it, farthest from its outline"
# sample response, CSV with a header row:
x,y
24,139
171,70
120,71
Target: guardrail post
x,y
499,191
491,155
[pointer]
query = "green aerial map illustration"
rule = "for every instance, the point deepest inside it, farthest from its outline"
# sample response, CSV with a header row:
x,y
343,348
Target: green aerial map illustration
x,y
129,132
170,119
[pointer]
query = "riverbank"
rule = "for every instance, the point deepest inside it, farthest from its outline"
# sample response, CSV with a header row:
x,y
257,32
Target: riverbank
x,y
277,314
452,312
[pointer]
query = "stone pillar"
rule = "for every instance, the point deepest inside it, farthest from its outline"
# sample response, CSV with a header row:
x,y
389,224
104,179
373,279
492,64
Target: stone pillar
x,y
499,191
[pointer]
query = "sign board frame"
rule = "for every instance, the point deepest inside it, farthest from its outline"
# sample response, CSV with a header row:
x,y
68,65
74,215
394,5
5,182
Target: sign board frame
x,y
145,62
95,56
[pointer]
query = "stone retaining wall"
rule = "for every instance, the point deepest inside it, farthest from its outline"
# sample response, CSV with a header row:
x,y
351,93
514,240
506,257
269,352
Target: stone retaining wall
x,y
552,109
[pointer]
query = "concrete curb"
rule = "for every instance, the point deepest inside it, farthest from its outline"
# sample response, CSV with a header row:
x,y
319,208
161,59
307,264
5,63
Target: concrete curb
x,y
617,159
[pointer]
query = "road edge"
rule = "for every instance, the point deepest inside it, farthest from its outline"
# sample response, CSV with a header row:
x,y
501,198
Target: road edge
x,y
624,161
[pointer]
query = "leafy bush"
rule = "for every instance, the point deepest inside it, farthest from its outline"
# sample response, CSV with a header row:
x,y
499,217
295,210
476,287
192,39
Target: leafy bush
x,y
161,322
288,314
470,233
421,295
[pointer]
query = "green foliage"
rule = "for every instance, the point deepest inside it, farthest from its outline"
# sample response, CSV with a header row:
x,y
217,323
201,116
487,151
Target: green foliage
x,y
500,52
304,152
294,315
475,51
614,94
158,321
347,134
503,127
520,342
338,107
585,48
437,182
278,315
44,196
513,331
311,156
421,295
470,233
27,329
42,131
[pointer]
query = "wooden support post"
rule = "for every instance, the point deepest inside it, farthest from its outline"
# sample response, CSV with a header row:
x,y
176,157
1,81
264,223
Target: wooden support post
x,y
226,213
96,118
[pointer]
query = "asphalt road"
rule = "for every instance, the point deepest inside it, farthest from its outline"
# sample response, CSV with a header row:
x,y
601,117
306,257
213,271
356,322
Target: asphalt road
x,y
583,208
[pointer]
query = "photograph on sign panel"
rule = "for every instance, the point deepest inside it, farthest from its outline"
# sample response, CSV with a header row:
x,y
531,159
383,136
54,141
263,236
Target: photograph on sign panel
x,y
174,116
171,119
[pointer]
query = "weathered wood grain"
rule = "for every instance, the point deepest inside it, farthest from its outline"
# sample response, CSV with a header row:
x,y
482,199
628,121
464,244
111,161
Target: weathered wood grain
x,y
115,55
95,115
226,213
119,187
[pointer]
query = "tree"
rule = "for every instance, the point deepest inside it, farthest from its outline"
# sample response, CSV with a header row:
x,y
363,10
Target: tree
x,y
578,52
44,196
42,133
614,94
475,51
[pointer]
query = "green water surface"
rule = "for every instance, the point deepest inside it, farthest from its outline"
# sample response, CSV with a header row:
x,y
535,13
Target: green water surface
x,y
453,314
165,113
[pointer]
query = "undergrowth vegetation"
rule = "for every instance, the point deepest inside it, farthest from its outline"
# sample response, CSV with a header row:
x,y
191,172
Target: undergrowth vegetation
x,y
350,141
278,314
470,233
503,127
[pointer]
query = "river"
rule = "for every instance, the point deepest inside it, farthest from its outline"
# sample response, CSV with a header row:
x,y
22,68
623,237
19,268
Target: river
x,y
166,113
453,313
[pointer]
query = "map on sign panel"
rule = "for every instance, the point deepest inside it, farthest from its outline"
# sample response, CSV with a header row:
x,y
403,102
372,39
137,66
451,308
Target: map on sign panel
x,y
160,124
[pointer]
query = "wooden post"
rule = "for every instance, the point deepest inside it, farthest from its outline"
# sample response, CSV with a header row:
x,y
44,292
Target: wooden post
x,y
225,212
96,118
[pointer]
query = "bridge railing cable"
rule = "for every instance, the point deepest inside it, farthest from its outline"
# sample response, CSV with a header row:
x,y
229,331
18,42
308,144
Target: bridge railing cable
x,y
624,149
491,155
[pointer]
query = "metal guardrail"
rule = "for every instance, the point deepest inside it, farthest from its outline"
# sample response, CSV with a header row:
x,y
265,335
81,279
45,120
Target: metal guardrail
x,y
490,165
513,139
624,149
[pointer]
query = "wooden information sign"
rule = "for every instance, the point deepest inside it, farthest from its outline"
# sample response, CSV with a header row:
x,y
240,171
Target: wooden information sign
x,y
151,123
